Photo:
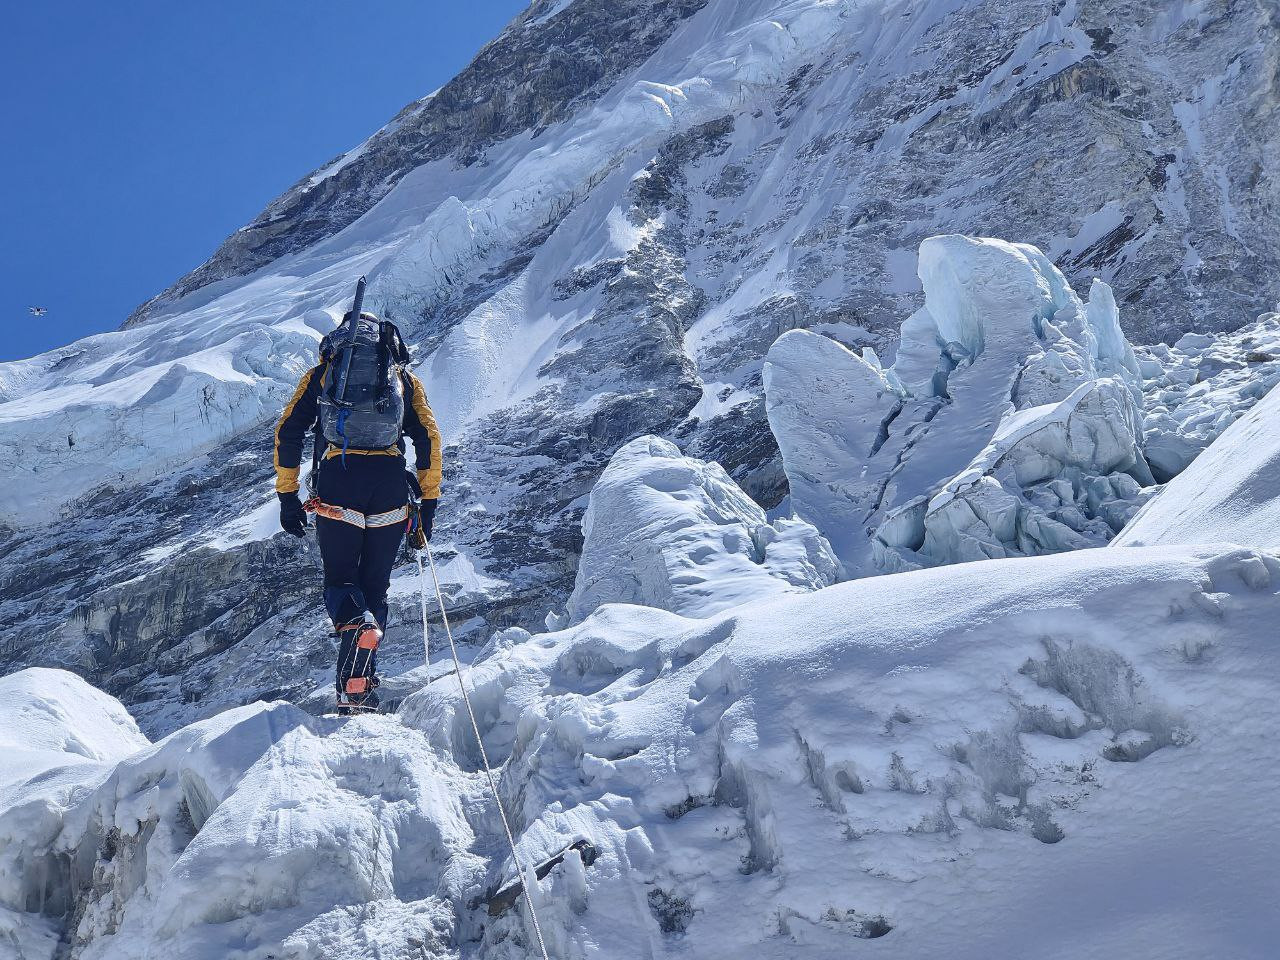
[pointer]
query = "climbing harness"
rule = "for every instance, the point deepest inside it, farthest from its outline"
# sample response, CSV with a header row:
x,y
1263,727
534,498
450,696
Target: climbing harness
x,y
355,517
528,878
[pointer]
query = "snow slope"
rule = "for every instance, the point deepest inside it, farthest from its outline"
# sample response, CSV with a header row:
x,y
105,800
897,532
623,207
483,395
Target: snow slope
x,y
1230,493
1043,758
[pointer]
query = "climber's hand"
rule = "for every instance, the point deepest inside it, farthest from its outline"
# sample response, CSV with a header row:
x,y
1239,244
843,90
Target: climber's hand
x,y
293,519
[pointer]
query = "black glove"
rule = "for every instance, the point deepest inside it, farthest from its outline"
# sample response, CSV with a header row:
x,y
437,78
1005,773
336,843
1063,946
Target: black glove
x,y
293,519
428,514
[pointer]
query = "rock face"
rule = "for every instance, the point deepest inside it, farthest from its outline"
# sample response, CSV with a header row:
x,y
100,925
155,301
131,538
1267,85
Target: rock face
x,y
668,531
595,233
1009,424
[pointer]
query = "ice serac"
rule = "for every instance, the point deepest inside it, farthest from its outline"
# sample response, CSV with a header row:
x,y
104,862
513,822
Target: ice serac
x,y
830,411
1008,424
676,533
1201,385
1046,387
1230,492
1055,477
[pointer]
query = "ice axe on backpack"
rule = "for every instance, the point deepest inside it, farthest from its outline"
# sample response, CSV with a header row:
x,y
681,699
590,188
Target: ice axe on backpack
x,y
344,371
339,395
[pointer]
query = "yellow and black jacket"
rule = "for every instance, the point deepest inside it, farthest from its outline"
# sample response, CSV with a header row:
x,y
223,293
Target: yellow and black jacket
x,y
300,416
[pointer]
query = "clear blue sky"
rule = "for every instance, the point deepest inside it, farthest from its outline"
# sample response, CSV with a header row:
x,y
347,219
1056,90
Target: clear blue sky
x,y
138,134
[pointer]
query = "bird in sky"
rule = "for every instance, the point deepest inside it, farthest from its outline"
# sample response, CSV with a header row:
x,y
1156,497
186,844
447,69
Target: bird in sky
x,y
38,311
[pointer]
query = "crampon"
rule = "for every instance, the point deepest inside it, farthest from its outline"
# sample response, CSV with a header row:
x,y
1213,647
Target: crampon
x,y
357,659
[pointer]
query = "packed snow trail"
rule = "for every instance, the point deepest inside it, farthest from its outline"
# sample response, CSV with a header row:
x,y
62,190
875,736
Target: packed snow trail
x,y
1028,758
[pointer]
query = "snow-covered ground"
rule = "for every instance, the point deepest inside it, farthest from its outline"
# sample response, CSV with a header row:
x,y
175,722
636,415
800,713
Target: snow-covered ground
x,y
1230,493
1052,757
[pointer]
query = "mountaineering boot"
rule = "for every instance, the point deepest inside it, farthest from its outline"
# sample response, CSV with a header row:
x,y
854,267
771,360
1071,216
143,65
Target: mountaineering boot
x,y
357,661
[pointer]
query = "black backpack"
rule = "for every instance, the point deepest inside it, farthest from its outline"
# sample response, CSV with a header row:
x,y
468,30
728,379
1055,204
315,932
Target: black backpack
x,y
372,409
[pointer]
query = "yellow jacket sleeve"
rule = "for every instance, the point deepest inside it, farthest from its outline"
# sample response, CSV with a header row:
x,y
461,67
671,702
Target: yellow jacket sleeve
x,y
291,432
420,425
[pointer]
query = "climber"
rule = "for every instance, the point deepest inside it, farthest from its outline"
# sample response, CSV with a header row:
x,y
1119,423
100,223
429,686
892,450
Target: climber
x,y
359,490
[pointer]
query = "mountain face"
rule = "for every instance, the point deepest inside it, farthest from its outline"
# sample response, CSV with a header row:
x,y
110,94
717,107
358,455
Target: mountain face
x,y
595,233
536,74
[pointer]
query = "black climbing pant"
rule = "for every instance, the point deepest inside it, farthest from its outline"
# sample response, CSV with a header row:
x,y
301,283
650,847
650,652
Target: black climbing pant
x,y
357,561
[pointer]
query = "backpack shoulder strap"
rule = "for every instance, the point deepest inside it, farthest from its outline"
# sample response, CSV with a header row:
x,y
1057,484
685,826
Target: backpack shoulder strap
x,y
390,334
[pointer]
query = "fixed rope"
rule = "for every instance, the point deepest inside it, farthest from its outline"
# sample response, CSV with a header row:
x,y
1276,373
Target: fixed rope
x,y
422,599
526,878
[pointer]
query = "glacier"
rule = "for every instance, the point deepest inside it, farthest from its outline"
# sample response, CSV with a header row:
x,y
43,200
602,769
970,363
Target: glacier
x,y
900,757
1202,384
1229,494
778,610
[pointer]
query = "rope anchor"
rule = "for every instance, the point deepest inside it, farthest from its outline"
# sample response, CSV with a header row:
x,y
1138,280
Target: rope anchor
x,y
526,876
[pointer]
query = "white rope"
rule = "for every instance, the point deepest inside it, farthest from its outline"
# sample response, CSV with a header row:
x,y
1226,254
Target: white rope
x,y
526,878
422,599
